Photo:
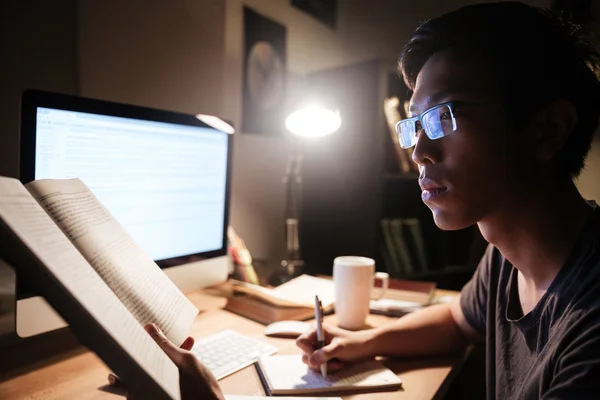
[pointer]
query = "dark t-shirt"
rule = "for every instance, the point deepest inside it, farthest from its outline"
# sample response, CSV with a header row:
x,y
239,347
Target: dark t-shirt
x,y
553,352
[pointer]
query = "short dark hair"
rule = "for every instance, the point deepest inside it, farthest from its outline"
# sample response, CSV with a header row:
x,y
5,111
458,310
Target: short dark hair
x,y
538,56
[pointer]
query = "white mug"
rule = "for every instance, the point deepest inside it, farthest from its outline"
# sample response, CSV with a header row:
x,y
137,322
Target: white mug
x,y
353,281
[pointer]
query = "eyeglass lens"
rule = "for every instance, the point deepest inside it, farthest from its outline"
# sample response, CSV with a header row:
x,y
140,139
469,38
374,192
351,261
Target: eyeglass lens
x,y
436,123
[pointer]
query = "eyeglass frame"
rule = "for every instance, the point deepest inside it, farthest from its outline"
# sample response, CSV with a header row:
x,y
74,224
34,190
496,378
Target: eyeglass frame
x,y
451,106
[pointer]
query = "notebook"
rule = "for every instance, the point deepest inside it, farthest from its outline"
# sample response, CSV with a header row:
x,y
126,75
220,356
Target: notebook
x,y
288,375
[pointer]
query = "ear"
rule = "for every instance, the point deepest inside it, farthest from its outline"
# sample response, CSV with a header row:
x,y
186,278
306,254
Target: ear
x,y
556,124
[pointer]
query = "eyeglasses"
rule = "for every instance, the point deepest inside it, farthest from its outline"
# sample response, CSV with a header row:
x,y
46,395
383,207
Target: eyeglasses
x,y
436,122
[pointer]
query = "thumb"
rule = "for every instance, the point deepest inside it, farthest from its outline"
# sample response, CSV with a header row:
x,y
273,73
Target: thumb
x,y
188,343
326,353
165,344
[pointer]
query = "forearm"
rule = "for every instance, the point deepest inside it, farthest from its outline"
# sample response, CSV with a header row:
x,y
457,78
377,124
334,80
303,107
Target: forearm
x,y
429,331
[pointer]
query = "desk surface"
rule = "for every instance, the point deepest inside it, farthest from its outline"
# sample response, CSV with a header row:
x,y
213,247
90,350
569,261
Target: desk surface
x,y
84,376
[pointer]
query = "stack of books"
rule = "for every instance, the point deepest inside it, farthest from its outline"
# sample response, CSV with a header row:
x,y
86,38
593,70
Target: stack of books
x,y
404,247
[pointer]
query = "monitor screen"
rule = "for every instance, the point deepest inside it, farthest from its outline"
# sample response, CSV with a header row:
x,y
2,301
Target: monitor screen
x,y
164,176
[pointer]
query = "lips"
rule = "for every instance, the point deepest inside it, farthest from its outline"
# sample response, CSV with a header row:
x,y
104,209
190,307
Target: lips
x,y
431,189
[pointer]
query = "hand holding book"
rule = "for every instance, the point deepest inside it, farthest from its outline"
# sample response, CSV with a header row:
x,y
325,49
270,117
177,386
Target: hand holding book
x,y
195,379
92,273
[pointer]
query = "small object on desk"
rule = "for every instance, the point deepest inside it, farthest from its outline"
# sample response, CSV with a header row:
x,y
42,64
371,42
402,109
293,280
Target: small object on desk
x,y
393,308
114,380
286,329
228,351
243,268
320,333
288,375
237,247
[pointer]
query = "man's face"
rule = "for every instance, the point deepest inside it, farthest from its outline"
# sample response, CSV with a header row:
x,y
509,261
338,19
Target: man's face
x,y
469,174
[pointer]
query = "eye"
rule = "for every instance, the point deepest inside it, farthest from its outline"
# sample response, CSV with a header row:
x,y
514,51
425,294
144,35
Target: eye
x,y
446,115
418,129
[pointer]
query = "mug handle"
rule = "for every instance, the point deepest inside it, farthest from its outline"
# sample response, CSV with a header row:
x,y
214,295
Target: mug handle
x,y
385,282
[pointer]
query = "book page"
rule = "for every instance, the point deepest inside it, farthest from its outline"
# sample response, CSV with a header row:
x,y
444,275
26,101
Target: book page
x,y
287,374
135,278
302,290
34,228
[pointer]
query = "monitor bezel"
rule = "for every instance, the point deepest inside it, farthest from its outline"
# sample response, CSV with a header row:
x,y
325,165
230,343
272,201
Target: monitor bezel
x,y
33,99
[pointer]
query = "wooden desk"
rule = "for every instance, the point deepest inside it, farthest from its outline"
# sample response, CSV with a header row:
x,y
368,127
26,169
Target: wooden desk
x,y
82,375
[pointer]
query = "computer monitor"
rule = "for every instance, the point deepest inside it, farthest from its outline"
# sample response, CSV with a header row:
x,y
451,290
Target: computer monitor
x,y
164,176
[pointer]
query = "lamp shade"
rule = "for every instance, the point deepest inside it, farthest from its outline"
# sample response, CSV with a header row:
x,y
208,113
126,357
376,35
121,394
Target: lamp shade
x,y
313,121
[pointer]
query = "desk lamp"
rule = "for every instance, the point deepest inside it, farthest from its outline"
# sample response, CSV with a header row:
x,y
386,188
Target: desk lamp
x,y
310,122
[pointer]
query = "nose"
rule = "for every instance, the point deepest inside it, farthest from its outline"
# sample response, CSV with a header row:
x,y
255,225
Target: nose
x,y
426,151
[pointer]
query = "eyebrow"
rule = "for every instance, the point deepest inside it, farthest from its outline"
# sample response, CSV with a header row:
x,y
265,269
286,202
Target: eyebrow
x,y
433,100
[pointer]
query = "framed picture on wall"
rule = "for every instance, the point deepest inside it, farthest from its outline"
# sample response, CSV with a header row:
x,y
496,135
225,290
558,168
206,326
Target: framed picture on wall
x,y
323,10
264,74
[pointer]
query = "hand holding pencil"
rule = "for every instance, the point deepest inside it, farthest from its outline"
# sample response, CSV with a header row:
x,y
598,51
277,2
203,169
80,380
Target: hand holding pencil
x,y
340,347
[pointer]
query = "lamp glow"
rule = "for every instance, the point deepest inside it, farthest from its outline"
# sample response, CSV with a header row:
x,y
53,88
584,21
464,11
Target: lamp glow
x,y
216,123
313,122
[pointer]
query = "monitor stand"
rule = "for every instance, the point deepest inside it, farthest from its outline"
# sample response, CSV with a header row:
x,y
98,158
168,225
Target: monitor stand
x,y
41,317
8,303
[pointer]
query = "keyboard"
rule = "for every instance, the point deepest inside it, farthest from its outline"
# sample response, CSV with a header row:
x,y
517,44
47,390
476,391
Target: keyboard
x,y
228,351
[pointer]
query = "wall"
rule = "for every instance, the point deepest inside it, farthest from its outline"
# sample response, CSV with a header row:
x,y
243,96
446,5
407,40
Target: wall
x,y
38,52
589,180
152,52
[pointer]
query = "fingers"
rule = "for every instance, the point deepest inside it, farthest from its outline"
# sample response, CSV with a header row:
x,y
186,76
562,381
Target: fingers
x,y
332,365
187,343
174,353
325,354
307,340
314,358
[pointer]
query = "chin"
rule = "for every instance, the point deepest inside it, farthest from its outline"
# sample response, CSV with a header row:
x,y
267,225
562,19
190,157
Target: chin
x,y
451,220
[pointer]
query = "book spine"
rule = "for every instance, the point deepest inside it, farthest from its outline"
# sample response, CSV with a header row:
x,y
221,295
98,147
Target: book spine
x,y
414,227
394,267
401,246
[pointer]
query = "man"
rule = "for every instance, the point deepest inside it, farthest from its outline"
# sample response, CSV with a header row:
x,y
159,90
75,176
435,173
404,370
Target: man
x,y
505,103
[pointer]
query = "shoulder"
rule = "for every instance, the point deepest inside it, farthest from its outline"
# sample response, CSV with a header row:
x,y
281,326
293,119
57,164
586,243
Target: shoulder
x,y
575,368
579,330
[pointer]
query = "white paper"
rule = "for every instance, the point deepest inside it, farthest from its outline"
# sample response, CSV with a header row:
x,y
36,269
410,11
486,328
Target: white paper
x,y
135,278
26,219
287,374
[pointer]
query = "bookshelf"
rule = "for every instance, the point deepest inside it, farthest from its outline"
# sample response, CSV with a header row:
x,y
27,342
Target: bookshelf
x,y
353,185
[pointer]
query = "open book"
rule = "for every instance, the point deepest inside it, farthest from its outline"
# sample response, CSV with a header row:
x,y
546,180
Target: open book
x,y
293,300
288,375
91,271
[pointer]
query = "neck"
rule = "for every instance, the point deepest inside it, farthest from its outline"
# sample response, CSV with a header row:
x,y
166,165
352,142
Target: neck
x,y
537,232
